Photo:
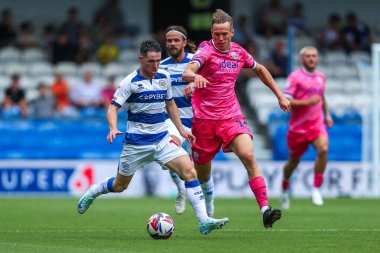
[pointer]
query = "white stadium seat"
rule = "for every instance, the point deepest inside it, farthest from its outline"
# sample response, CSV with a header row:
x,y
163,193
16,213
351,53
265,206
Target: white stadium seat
x,y
10,54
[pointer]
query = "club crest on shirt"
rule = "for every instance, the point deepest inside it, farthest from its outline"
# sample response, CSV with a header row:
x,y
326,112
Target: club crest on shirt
x,y
320,80
234,55
162,83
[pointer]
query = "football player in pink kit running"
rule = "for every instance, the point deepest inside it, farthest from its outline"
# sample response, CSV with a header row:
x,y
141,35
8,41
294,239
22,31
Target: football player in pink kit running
x,y
218,121
305,90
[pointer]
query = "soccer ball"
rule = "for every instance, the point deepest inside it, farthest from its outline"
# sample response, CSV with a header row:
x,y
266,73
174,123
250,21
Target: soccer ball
x,y
160,226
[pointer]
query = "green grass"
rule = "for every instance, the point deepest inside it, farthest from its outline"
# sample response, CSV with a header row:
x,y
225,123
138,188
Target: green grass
x,y
118,225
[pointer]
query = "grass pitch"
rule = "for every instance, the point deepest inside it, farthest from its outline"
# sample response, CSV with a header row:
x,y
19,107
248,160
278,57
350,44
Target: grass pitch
x,y
118,225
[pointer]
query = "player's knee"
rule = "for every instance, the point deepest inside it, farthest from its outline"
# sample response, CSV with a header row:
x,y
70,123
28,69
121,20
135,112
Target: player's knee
x,y
323,150
247,158
188,174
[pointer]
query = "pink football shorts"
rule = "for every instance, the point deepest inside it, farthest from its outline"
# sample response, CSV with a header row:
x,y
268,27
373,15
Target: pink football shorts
x,y
211,135
299,143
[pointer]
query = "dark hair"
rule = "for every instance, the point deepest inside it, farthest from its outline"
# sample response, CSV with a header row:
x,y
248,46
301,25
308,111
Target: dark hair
x,y
149,46
190,47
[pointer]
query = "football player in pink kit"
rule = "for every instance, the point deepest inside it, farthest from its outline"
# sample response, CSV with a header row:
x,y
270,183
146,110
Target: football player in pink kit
x,y
305,90
218,121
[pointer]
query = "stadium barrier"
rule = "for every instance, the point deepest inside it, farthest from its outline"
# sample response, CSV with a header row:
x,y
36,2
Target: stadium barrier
x,y
73,177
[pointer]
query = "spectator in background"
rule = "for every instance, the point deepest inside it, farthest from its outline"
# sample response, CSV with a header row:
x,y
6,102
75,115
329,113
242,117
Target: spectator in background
x,y
244,33
298,20
7,31
330,37
114,16
26,38
14,100
85,48
278,60
60,91
108,51
108,91
86,93
72,26
99,29
47,38
356,35
274,19
42,107
62,50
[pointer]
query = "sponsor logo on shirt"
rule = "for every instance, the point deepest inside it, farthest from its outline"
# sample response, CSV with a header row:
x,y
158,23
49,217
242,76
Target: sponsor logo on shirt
x,y
152,96
228,66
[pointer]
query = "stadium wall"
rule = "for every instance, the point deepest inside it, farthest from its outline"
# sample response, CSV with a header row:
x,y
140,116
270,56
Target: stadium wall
x,y
72,178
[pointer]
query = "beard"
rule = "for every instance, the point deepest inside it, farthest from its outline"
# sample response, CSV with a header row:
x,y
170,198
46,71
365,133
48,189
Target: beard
x,y
174,52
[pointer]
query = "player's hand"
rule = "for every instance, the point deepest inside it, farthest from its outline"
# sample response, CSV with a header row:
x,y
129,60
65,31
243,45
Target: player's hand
x,y
112,134
284,104
329,120
188,91
313,100
188,136
200,81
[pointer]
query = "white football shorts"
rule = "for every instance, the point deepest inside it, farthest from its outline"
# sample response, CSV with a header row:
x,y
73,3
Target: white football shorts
x,y
134,157
174,131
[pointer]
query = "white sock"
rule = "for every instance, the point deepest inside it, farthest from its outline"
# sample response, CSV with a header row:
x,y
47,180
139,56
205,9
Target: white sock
x,y
178,181
208,191
196,199
263,209
103,187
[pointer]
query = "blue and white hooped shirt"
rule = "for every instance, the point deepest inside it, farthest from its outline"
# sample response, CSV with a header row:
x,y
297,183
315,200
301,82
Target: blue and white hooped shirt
x,y
178,85
145,101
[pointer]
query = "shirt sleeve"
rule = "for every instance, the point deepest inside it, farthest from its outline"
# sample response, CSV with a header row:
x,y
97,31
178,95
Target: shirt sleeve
x,y
122,93
249,62
201,55
290,88
169,92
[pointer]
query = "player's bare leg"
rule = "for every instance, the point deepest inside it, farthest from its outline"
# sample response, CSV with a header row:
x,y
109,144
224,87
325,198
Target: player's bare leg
x,y
183,166
111,184
321,145
289,167
242,146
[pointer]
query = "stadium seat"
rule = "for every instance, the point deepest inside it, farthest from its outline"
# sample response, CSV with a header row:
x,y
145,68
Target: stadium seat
x,y
67,68
128,56
10,54
40,68
15,68
114,69
94,67
32,55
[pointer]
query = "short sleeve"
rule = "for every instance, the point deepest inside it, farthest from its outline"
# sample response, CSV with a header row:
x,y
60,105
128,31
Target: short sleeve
x,y
122,94
201,55
249,62
290,88
169,92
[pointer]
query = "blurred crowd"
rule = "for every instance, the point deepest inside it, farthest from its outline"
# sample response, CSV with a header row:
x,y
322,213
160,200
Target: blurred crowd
x,y
108,35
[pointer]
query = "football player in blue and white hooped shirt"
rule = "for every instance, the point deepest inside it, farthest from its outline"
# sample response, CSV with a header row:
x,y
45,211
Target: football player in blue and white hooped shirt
x,y
146,93
181,51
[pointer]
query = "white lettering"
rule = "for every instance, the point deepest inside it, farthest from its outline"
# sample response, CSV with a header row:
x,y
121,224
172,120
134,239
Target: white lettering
x,y
9,182
42,181
59,179
27,178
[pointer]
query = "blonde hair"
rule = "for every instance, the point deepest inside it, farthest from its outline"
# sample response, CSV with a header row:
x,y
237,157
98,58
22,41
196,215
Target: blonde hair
x,y
221,17
304,49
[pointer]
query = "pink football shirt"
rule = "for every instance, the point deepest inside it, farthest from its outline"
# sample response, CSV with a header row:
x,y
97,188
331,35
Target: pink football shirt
x,y
302,85
218,100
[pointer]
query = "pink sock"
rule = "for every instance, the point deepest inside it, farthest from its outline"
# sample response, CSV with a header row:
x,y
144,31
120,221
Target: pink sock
x,y
259,188
318,179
